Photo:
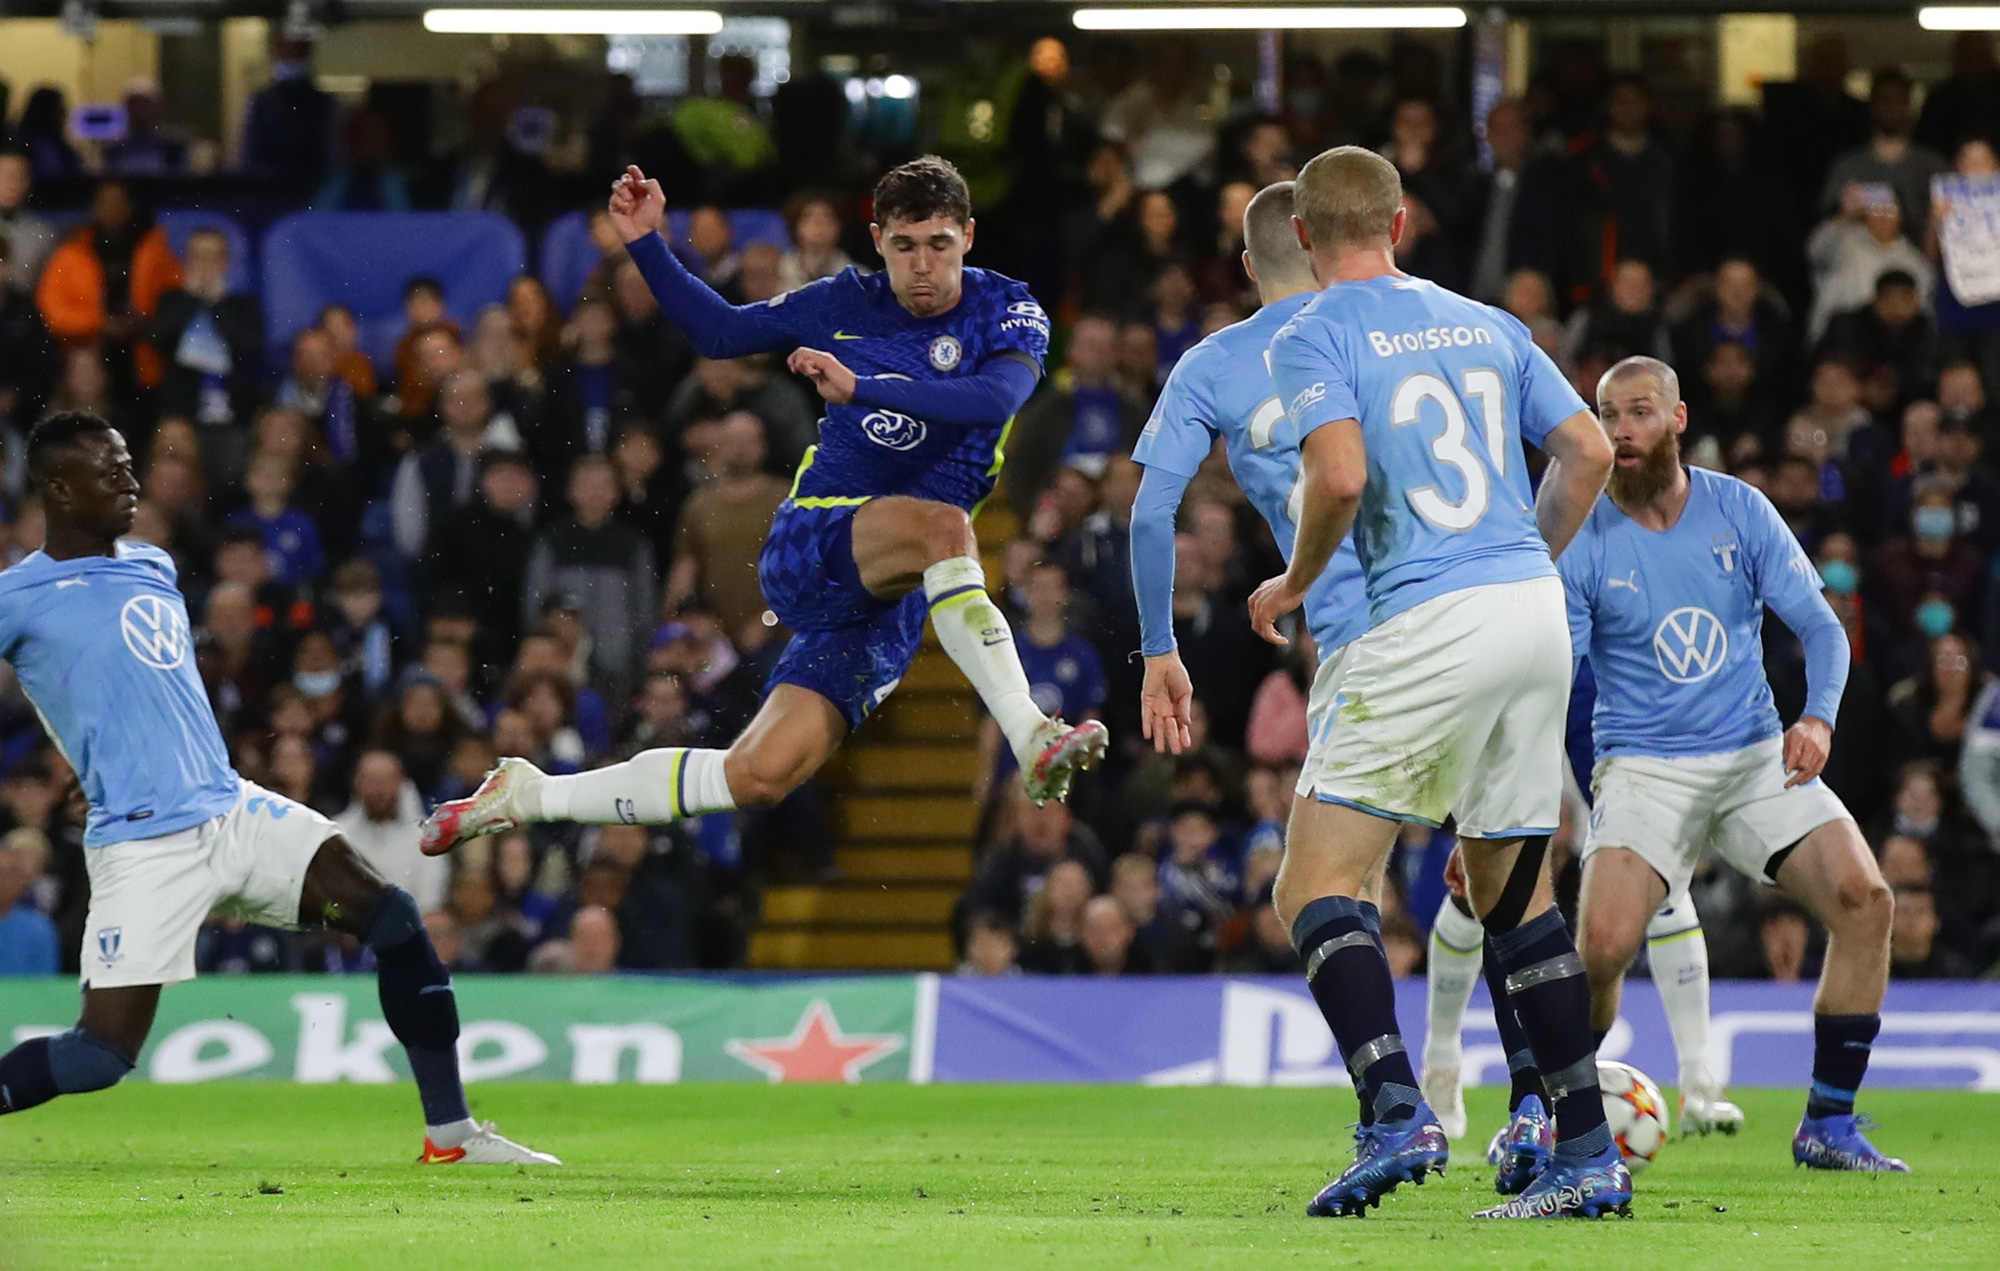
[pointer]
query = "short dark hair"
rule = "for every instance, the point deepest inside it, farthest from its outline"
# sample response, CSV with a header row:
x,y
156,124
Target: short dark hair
x,y
56,436
423,282
1892,278
921,189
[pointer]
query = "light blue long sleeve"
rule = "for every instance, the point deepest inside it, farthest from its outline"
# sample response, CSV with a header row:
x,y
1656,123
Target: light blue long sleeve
x,y
1153,513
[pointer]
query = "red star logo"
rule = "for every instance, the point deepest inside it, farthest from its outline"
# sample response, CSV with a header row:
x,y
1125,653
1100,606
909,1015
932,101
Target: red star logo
x,y
816,1051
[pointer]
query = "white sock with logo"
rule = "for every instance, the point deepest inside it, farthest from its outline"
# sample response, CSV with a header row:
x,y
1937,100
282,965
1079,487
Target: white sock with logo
x,y
1457,956
651,787
1677,952
976,635
453,1134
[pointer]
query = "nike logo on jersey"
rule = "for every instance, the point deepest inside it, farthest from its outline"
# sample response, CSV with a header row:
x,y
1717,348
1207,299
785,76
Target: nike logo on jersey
x,y
72,582
1626,581
842,335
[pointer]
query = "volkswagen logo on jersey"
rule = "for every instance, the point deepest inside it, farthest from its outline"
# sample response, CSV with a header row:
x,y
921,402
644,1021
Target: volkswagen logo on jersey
x,y
155,630
898,432
1690,645
945,352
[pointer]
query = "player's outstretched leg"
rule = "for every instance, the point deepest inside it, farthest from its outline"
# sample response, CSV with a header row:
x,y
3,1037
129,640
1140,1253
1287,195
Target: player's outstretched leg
x,y
1832,872
1330,853
417,1001
1677,952
95,1055
1458,945
792,735
1509,884
1522,1148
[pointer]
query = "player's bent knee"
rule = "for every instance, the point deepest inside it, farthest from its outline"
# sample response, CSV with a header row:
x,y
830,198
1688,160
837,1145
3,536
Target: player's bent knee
x,y
947,532
1863,904
395,920
81,1062
1606,954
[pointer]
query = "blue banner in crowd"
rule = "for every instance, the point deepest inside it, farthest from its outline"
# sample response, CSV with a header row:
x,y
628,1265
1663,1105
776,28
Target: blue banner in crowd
x,y
1267,1031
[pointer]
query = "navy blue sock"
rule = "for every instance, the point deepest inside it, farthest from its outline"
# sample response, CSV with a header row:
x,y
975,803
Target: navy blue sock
x,y
26,1080
1551,997
418,1004
1371,918
1349,977
1523,1076
1840,1059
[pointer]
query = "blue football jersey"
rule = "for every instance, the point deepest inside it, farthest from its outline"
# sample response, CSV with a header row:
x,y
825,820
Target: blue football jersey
x,y
103,649
865,451
1672,621
1222,388
1444,389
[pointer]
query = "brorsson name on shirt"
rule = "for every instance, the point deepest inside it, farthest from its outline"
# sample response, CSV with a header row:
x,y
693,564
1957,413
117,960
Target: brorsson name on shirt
x,y
1387,345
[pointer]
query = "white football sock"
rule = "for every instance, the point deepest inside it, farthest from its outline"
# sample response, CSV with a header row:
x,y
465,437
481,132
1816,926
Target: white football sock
x,y
1458,952
651,787
1677,952
452,1135
975,633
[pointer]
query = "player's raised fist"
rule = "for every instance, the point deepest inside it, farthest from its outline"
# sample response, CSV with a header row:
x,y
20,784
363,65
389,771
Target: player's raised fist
x,y
638,206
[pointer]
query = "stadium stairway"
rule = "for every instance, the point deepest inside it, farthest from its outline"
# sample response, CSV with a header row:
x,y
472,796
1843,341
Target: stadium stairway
x,y
902,820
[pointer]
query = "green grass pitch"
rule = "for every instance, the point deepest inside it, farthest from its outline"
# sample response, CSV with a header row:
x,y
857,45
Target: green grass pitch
x,y
893,1176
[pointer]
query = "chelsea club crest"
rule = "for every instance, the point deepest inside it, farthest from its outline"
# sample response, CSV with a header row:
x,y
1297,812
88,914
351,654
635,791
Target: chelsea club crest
x,y
945,352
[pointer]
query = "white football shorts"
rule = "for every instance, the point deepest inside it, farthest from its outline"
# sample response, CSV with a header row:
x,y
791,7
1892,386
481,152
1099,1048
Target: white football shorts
x,y
1454,707
149,897
1668,809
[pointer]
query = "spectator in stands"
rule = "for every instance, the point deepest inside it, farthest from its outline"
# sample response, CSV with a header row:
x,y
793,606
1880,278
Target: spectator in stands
x,y
722,529
1892,331
1176,323
1266,946
1276,730
657,914
41,133
476,553
1737,204
1052,926
718,387
1889,158
588,389
28,941
497,169
441,476
536,321
104,282
1518,225
1037,838
723,133
1438,181
317,391
1625,322
423,313
28,360
290,536
1784,937
1625,194
1930,711
288,126
812,219
1729,403
593,936
1853,248
382,823
653,490
423,728
713,242
349,361
366,178
1081,417
1107,938
1914,951
28,237
607,564
149,148
1163,117
1064,673
1925,582
1743,314
991,948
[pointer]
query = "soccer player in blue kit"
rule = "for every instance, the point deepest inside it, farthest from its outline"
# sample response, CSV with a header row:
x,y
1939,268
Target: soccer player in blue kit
x,y
1411,405
98,635
1222,388
1668,581
934,360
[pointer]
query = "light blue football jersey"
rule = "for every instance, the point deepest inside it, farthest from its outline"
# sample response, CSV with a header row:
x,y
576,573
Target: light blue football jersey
x,y
103,648
1222,388
1445,389
1672,621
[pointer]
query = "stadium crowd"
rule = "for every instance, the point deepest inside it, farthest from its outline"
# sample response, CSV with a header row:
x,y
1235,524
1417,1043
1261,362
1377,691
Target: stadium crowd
x,y
530,532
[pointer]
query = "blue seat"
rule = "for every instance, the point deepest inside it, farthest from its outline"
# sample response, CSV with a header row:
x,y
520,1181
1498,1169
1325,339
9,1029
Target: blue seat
x,y
364,259
568,256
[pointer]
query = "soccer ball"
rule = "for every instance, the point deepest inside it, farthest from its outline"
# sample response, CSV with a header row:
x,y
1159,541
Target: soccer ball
x,y
1636,1111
